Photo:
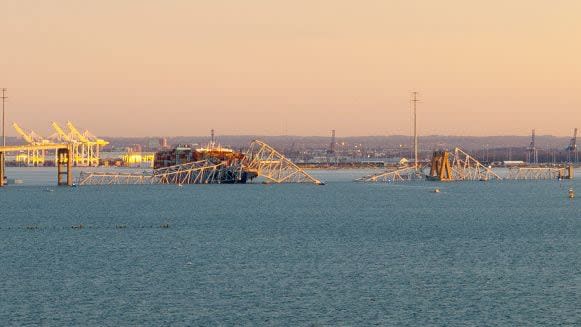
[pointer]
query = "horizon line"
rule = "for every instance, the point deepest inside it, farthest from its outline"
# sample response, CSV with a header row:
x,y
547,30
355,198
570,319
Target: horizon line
x,y
328,136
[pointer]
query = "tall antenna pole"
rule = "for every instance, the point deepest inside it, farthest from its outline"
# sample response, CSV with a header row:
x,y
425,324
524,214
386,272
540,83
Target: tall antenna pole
x,y
2,161
415,101
4,97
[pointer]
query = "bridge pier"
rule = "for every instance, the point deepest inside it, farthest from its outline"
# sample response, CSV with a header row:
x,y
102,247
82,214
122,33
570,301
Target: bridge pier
x,y
441,169
64,167
567,173
2,169
570,172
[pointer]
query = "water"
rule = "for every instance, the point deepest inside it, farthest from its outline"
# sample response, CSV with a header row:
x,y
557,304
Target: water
x,y
496,253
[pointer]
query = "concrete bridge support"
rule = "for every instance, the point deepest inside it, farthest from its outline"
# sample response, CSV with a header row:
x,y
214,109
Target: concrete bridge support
x,y
2,169
65,167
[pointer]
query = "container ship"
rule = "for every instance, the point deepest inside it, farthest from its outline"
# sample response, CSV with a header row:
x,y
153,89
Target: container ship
x,y
230,161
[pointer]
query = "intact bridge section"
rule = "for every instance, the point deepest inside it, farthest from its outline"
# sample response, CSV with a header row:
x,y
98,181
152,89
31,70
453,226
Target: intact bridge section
x,y
64,160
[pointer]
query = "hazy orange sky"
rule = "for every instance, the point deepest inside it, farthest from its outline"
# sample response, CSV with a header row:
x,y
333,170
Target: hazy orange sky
x,y
303,67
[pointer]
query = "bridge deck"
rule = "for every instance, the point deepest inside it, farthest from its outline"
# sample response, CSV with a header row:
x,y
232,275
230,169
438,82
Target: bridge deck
x,y
30,147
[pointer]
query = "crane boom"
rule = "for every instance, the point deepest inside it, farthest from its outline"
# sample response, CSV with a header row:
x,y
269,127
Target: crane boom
x,y
38,139
60,132
76,132
95,139
29,139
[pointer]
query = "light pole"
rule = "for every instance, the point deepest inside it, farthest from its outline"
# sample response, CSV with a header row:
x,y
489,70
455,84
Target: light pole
x,y
3,159
3,117
415,101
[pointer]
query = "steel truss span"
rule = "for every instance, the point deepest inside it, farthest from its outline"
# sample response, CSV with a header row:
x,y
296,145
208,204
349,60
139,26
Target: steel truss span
x,y
261,160
465,167
448,166
264,161
459,166
199,172
445,166
520,173
401,174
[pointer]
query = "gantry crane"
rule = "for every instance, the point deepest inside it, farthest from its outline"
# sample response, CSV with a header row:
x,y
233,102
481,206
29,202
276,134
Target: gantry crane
x,y
94,138
99,143
62,136
90,145
86,154
532,152
34,157
85,146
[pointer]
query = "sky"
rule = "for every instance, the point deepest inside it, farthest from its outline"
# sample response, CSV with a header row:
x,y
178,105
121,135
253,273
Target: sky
x,y
301,67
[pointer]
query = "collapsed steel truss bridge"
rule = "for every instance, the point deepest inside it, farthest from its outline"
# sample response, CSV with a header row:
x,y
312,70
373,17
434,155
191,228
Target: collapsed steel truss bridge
x,y
264,161
460,166
464,167
199,172
400,174
261,160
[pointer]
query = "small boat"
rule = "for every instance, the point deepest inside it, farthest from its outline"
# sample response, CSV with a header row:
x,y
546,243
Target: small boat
x,y
571,193
437,190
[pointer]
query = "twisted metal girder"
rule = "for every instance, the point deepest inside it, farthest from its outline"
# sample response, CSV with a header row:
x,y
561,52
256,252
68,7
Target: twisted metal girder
x,y
263,160
401,174
199,172
260,160
445,166
107,178
466,167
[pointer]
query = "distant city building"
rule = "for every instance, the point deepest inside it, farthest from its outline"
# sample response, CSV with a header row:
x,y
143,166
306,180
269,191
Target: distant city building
x,y
163,143
153,144
135,148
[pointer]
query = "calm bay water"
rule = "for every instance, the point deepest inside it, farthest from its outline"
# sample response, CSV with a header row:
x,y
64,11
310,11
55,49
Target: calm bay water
x,y
496,253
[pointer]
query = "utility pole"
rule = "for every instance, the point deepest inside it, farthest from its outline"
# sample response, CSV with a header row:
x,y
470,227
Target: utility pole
x,y
415,101
2,158
4,97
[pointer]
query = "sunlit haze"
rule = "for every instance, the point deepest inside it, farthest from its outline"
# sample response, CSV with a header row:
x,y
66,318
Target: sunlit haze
x,y
139,68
